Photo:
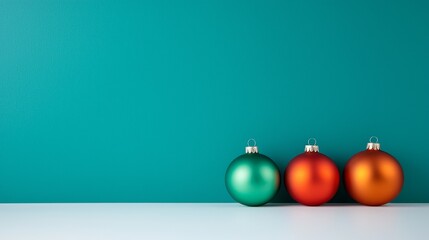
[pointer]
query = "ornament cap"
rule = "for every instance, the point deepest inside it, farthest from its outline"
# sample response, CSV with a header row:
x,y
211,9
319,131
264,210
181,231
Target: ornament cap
x,y
373,145
251,149
311,148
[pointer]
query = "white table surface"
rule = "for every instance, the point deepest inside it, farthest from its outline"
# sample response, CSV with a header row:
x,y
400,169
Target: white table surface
x,y
211,221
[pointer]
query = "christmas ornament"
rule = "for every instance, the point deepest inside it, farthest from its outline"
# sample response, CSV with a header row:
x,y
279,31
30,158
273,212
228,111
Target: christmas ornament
x,y
373,177
252,179
312,178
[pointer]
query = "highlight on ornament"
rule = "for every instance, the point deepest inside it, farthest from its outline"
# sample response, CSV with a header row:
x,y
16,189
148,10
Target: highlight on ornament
x,y
252,179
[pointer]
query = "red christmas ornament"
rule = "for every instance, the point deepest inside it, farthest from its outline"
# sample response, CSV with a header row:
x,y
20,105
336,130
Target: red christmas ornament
x,y
312,178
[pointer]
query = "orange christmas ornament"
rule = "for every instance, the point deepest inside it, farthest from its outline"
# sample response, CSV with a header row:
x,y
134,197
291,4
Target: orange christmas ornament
x,y
312,178
373,177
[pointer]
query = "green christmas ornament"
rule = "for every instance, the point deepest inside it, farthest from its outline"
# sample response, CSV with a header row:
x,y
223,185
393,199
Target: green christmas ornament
x,y
252,179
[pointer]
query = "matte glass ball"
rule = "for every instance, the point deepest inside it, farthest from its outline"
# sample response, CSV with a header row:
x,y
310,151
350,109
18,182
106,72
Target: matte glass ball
x,y
312,178
252,179
373,177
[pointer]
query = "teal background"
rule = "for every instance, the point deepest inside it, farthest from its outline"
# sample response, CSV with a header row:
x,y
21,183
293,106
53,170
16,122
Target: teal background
x,y
149,101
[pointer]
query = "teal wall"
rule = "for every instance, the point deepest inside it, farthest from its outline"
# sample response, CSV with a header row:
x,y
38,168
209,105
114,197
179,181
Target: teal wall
x,y
143,101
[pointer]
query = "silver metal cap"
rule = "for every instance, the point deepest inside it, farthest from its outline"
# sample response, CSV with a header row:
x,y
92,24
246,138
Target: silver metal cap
x,y
251,149
311,148
373,145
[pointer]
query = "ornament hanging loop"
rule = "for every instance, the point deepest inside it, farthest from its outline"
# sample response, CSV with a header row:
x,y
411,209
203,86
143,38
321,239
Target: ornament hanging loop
x,y
312,139
251,140
373,145
311,147
253,148
376,139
